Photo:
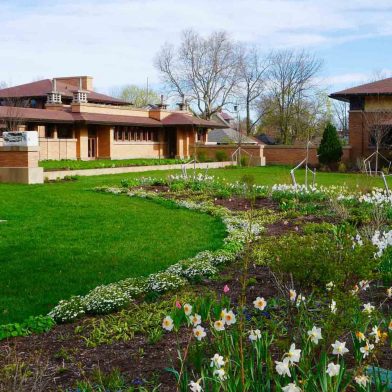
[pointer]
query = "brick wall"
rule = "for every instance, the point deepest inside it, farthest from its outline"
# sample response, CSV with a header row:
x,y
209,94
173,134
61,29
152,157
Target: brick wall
x,y
19,157
292,155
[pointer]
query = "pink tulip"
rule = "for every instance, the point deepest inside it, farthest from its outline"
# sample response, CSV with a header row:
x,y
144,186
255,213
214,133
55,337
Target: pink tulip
x,y
226,289
178,305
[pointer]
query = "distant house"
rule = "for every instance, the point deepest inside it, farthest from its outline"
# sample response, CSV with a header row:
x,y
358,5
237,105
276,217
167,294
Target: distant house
x,y
370,107
228,134
75,122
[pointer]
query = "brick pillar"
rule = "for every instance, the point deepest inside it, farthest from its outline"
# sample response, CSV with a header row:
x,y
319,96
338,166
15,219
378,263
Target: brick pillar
x,y
20,165
357,134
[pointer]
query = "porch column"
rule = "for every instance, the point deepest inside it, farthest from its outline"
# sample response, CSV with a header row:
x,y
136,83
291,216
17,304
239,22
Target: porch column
x,y
180,144
82,143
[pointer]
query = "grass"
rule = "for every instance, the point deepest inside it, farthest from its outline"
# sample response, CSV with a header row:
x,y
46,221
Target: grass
x,y
63,239
67,164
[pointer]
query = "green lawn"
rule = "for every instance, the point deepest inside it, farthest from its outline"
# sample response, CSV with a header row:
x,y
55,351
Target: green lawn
x,y
67,164
62,239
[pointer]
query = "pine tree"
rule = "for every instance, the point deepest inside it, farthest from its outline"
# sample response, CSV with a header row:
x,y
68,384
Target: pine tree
x,y
330,150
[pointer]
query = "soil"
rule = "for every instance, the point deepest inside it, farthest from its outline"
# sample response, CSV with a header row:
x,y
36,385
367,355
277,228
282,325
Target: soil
x,y
242,204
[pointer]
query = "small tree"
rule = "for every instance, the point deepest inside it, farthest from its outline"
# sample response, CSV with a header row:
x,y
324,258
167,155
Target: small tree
x,y
330,150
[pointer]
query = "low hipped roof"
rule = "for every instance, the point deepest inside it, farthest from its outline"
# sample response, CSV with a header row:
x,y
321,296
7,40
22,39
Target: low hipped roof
x,y
229,136
61,116
42,87
383,87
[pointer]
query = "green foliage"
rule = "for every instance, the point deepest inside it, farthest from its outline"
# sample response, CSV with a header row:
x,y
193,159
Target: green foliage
x,y
33,324
221,156
330,150
201,156
385,266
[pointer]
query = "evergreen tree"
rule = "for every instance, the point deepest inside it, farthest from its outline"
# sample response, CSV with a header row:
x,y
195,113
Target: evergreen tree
x,y
330,150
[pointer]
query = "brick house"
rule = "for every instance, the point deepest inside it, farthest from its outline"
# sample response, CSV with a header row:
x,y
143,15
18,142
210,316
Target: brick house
x,y
75,122
370,107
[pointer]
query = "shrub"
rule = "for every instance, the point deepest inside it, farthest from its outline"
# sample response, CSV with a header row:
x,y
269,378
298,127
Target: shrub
x,y
201,156
105,299
164,281
221,156
342,168
68,310
133,287
330,149
194,269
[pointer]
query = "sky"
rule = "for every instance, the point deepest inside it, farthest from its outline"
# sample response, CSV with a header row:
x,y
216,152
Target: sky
x,y
115,41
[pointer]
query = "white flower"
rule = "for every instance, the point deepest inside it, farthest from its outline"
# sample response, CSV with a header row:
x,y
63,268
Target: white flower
x,y
368,308
219,325
293,295
291,388
260,303
167,323
282,367
195,386
254,335
315,335
365,350
294,354
332,307
188,309
195,319
300,299
333,370
339,348
360,336
229,317
329,286
362,380
199,332
217,361
389,292
363,285
376,333
220,373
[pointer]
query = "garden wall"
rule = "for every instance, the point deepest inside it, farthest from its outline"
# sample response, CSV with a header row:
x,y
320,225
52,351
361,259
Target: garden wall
x,y
292,155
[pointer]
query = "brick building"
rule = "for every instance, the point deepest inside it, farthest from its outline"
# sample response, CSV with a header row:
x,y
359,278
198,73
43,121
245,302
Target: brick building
x,y
75,122
370,108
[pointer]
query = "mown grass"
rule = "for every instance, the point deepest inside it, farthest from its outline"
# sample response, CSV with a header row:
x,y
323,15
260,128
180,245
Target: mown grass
x,y
67,164
64,239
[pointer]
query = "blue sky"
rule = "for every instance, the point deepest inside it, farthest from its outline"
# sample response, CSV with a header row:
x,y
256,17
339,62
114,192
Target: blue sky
x,y
115,41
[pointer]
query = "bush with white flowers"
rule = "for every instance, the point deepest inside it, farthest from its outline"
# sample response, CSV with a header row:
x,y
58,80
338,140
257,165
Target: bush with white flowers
x,y
133,287
105,299
68,310
164,281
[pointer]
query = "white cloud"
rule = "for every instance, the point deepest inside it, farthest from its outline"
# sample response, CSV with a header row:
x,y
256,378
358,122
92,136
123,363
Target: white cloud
x,y
116,41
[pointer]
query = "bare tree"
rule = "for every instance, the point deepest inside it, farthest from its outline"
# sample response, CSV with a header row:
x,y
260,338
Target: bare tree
x,y
253,77
291,80
13,117
340,112
138,96
203,70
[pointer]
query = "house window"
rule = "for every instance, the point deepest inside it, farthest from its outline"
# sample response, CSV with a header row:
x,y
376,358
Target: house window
x,y
200,134
65,133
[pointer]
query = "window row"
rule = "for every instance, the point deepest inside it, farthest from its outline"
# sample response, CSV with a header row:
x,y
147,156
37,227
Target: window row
x,y
135,134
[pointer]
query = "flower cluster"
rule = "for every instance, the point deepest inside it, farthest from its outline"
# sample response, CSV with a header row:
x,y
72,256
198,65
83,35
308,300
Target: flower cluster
x,y
68,310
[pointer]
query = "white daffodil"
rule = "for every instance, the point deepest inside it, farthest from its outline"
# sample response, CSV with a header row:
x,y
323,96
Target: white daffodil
x,y
315,335
219,325
333,307
217,361
260,303
360,336
195,386
376,333
294,354
329,286
254,335
188,309
291,388
195,319
368,308
229,318
332,369
300,299
199,332
389,292
339,348
293,295
365,350
362,380
167,323
220,373
282,367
